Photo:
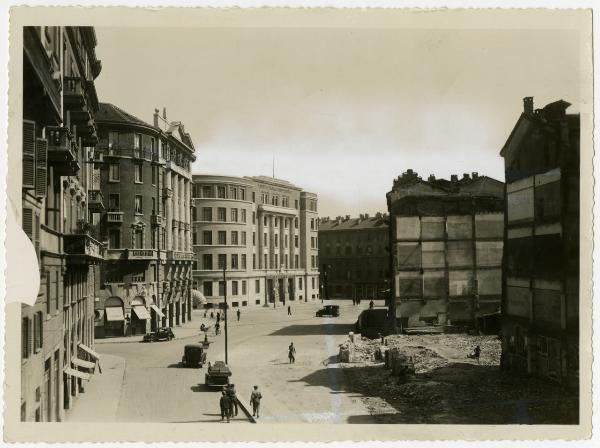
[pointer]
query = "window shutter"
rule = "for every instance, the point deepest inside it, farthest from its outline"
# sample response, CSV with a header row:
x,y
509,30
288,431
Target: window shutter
x,y
41,156
28,154
28,222
41,329
36,234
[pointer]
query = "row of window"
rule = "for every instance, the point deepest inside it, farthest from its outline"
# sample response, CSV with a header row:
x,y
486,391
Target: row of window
x,y
207,287
268,263
122,140
222,192
138,239
234,240
114,173
358,250
235,215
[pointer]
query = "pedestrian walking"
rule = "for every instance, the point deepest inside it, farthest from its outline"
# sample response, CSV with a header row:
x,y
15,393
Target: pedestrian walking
x,y
234,401
477,353
212,314
289,310
218,317
239,313
292,353
255,398
205,311
217,327
371,305
225,403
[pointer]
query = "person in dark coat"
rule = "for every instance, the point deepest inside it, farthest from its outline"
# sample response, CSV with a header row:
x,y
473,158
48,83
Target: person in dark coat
x,y
239,313
292,353
289,310
225,403
255,398
234,401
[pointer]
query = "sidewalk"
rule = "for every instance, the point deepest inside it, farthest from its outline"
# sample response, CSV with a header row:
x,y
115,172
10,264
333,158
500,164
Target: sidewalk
x,y
100,401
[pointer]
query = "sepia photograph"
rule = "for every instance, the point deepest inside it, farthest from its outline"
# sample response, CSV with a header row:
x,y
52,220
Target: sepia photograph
x,y
320,217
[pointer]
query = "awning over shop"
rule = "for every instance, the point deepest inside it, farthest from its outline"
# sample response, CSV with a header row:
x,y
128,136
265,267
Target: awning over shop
x,y
89,351
114,313
72,372
157,311
141,312
81,363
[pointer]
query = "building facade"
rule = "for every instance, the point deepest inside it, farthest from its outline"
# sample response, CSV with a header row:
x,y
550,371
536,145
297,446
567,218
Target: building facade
x,y
446,239
263,232
541,258
142,172
59,136
355,253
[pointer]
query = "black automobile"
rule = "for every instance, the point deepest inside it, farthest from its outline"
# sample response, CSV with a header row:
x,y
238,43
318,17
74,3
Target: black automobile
x,y
218,374
329,310
194,355
162,334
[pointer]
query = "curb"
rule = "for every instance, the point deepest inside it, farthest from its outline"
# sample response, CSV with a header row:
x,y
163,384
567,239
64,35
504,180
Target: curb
x,y
246,411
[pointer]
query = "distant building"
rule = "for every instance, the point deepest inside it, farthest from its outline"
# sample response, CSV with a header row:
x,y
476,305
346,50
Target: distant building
x,y
355,251
446,239
541,256
263,231
142,173
59,136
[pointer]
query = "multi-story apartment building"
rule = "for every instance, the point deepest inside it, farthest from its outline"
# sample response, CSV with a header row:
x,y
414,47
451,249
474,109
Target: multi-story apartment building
x,y
263,232
446,240
59,135
143,174
541,255
355,252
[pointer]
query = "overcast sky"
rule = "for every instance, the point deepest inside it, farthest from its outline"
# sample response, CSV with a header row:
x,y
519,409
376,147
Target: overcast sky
x,y
342,111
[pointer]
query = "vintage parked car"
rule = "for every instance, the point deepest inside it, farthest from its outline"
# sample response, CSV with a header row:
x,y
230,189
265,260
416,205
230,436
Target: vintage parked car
x,y
218,374
162,334
194,355
329,310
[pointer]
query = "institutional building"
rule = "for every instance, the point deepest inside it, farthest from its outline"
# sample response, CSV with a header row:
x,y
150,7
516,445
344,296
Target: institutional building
x,y
541,257
355,253
59,135
446,239
142,175
263,232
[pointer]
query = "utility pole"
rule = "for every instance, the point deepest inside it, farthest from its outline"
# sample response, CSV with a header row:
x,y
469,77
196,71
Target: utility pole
x,y
225,303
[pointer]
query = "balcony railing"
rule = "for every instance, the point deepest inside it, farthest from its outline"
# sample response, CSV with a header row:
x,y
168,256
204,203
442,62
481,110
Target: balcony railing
x,y
83,249
178,255
141,254
134,153
62,150
114,217
95,201
157,220
74,92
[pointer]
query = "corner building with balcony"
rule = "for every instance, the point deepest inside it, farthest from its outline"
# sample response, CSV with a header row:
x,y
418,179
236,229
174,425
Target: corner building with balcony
x,y
263,231
59,136
446,241
143,174
540,328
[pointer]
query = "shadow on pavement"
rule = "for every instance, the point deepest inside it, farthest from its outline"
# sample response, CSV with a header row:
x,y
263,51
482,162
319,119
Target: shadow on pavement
x,y
314,329
457,393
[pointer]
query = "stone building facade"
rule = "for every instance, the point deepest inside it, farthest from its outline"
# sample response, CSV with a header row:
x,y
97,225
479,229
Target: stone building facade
x,y
143,176
263,231
59,136
355,251
446,239
541,255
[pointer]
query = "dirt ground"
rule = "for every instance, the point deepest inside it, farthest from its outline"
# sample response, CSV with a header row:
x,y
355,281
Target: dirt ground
x,y
449,387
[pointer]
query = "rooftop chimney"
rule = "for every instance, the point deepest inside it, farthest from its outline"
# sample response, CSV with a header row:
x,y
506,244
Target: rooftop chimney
x,y
528,105
165,113
431,178
465,175
366,216
155,118
347,217
475,175
454,178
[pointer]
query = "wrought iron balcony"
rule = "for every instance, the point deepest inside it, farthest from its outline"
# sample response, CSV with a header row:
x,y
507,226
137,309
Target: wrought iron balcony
x,y
95,201
82,248
73,92
62,150
141,254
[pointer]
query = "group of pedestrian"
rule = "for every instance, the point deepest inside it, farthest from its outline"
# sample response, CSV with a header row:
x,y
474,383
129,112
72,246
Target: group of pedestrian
x,y
355,301
229,402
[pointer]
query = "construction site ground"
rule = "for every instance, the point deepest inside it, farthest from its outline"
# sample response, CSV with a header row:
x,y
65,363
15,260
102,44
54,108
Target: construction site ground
x,y
449,387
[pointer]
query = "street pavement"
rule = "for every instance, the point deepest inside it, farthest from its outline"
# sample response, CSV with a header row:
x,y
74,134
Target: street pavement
x,y
143,382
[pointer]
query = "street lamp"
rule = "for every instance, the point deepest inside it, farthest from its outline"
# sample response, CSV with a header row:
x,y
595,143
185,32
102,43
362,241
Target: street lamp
x,y
225,303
